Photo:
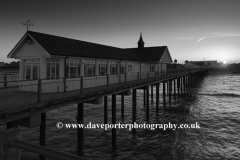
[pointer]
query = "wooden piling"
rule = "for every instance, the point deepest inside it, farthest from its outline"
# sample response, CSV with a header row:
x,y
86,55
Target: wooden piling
x,y
105,109
80,130
147,105
42,141
167,87
169,92
164,98
181,84
144,97
188,81
114,121
134,110
184,83
178,86
152,94
174,89
122,107
157,97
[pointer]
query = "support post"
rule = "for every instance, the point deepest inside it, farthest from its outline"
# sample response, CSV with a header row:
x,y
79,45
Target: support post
x,y
174,88
107,81
190,81
167,86
80,130
147,76
122,106
43,133
81,85
144,97
125,79
39,90
105,109
164,98
178,86
64,84
152,94
184,86
114,121
134,106
186,82
181,85
147,106
138,77
157,97
169,92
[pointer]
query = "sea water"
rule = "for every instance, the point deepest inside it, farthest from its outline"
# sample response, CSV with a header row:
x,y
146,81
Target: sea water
x,y
212,102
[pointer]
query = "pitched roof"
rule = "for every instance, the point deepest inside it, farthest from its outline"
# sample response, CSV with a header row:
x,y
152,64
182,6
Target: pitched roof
x,y
62,46
149,53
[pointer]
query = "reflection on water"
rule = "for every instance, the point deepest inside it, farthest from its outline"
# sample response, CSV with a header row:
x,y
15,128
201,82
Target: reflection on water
x,y
212,102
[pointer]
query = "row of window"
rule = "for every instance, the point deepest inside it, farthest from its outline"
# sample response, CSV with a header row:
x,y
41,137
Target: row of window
x,y
31,69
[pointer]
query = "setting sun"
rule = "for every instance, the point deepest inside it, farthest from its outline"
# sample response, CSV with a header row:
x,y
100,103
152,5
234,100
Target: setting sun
x,y
224,62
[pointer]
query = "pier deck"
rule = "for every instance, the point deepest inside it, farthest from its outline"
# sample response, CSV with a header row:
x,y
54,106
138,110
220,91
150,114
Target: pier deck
x,y
16,104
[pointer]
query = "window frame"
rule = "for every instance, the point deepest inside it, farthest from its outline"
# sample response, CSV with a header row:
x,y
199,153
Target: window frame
x,y
112,71
53,64
129,67
152,68
31,62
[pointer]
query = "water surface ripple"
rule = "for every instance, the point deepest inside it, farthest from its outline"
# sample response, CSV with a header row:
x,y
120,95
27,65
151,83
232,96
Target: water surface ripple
x,y
213,102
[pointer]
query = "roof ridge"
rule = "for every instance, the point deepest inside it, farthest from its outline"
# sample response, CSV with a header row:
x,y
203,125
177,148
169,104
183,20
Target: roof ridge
x,y
146,47
73,39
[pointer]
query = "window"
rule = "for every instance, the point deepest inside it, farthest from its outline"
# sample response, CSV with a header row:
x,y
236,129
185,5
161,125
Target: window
x,y
152,68
113,70
52,68
89,70
129,67
89,67
35,71
102,70
31,68
28,72
72,68
122,70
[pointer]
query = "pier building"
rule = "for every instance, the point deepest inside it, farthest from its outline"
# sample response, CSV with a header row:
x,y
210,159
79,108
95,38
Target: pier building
x,y
55,59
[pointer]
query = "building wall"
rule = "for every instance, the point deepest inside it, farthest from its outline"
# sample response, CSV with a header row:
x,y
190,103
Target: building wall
x,y
166,57
135,66
29,50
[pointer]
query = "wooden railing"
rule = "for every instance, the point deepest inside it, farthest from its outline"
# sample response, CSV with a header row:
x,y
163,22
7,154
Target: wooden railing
x,y
26,92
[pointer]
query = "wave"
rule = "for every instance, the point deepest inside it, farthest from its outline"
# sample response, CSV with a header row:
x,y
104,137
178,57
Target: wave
x,y
220,94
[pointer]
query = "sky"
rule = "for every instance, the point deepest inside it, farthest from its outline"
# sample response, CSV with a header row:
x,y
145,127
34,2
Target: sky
x,y
193,30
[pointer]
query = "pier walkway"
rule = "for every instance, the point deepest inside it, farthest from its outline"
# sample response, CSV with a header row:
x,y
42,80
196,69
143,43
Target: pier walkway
x,y
23,100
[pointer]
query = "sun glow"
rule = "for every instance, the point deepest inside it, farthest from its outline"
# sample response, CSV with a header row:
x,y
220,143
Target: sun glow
x,y
224,62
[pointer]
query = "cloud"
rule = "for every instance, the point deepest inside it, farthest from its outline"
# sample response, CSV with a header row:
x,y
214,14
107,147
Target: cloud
x,y
218,34
201,39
